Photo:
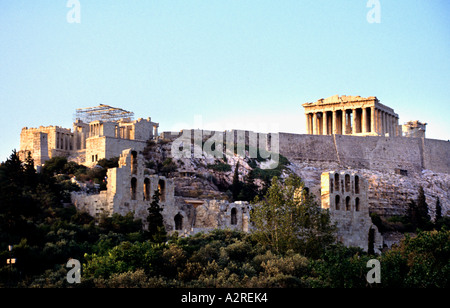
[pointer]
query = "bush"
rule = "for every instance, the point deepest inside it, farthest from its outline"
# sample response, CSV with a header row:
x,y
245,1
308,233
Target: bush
x,y
219,166
422,261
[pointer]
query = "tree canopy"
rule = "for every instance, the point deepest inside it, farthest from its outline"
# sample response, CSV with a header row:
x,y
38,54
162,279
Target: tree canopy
x,y
288,217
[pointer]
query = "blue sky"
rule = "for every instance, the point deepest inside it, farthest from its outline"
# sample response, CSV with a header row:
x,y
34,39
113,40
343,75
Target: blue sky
x,y
247,64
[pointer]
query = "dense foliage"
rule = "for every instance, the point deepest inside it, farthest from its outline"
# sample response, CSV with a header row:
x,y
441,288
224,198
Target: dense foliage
x,y
117,252
288,218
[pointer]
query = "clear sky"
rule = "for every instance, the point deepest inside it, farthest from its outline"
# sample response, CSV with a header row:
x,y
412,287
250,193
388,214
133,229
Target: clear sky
x,y
244,64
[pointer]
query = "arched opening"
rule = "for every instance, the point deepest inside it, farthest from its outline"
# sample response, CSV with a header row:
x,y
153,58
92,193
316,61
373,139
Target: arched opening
x,y
336,182
134,162
337,202
357,204
133,188
347,204
331,185
147,189
356,184
162,190
234,216
178,222
347,183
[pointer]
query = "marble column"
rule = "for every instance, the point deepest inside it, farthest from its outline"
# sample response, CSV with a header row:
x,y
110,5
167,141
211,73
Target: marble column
x,y
344,122
391,127
354,120
308,124
364,127
397,131
324,123
334,128
373,120
380,122
314,124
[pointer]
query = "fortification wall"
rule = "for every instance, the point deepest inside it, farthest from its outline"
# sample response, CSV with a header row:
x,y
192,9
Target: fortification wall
x,y
371,152
380,153
436,155
308,147
108,147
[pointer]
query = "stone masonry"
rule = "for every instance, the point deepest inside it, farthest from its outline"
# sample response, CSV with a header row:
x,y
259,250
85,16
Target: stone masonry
x,y
88,142
131,187
344,194
350,115
343,133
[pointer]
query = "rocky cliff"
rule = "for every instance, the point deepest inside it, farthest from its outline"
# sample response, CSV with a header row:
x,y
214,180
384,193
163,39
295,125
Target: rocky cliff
x,y
209,178
389,193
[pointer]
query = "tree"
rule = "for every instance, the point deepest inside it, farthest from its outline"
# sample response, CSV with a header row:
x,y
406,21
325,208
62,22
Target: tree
x,y
30,175
236,184
438,209
54,165
120,223
289,218
18,189
420,261
249,189
440,221
156,230
418,212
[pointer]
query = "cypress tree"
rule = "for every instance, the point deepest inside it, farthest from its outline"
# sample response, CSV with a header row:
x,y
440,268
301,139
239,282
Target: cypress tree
x,y
418,212
438,218
156,230
249,189
236,185
438,209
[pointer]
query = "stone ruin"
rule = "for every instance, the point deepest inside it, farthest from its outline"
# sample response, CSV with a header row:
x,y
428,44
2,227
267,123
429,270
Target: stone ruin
x,y
344,195
414,129
347,132
131,187
350,115
98,133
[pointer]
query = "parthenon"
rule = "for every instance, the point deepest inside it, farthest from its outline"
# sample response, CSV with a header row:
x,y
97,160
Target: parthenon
x,y
350,115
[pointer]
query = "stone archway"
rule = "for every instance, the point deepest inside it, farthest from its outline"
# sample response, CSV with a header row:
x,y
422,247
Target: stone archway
x,y
178,219
233,216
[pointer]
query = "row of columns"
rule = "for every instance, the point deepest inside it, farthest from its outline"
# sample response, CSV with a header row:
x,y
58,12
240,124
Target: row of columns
x,y
352,121
123,132
94,130
80,141
64,141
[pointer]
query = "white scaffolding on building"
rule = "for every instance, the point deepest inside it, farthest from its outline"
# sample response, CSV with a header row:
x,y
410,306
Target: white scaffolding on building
x,y
102,113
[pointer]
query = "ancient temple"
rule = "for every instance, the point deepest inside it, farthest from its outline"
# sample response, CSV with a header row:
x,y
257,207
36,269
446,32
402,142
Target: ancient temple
x,y
351,115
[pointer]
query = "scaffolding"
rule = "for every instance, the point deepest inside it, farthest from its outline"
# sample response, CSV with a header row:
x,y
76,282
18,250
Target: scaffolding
x,y
103,113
